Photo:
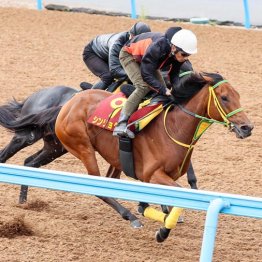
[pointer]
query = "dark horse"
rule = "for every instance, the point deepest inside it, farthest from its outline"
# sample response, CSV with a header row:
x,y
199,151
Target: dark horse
x,y
203,99
14,116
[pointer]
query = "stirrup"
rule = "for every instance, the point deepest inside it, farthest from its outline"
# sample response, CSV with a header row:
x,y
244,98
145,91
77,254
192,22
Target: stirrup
x,y
124,133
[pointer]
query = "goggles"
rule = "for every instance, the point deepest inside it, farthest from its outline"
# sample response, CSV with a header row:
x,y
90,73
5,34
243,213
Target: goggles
x,y
183,53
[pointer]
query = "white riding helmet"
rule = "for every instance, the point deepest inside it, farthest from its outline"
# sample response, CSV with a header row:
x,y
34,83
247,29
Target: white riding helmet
x,y
186,40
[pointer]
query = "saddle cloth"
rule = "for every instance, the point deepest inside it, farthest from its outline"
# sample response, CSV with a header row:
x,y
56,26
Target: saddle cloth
x,y
108,111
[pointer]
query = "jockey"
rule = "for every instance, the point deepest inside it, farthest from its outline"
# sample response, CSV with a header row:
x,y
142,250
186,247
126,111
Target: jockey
x,y
143,56
101,55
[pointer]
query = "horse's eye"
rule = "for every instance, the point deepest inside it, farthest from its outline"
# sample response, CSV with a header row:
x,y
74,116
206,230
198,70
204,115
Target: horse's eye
x,y
224,98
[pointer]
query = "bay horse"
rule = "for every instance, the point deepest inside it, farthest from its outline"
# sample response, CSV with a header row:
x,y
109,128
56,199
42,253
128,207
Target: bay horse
x,y
162,150
24,119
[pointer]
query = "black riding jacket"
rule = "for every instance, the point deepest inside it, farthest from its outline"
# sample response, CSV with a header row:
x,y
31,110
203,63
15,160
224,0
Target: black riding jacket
x,y
153,52
108,47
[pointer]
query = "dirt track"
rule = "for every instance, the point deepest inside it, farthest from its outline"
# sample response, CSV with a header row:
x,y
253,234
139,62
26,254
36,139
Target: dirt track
x,y
40,49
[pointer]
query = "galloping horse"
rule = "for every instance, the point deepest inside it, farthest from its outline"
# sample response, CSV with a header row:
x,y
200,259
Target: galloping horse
x,y
162,150
14,116
19,118
25,120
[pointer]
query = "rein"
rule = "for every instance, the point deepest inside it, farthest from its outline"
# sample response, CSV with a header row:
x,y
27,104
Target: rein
x,y
205,122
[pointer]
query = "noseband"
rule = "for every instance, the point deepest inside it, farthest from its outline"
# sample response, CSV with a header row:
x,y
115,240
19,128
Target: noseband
x,y
218,106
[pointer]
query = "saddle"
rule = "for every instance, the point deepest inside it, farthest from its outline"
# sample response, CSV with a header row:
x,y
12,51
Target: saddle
x,y
108,111
107,114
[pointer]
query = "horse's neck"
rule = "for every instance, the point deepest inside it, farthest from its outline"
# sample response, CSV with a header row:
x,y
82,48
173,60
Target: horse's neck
x,y
198,104
185,125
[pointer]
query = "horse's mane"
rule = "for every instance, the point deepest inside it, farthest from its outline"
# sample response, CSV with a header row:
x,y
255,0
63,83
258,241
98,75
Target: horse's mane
x,y
192,83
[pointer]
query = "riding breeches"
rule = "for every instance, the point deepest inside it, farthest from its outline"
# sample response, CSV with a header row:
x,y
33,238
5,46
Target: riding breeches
x,y
132,69
97,65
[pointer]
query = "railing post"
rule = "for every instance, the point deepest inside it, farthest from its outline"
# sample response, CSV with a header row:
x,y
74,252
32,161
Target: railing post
x,y
133,9
247,17
39,4
208,242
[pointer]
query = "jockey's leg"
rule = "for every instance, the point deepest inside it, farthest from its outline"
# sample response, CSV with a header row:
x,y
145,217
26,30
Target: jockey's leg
x,y
133,71
98,67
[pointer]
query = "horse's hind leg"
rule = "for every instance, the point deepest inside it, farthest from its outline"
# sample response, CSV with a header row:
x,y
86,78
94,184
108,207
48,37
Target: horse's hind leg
x,y
11,149
31,158
124,212
113,172
52,149
18,142
81,147
24,188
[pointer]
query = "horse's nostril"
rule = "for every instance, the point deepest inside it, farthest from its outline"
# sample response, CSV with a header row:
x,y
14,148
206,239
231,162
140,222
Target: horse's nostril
x,y
246,128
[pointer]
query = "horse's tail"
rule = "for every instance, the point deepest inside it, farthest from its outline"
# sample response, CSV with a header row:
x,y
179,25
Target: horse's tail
x,y
42,120
9,113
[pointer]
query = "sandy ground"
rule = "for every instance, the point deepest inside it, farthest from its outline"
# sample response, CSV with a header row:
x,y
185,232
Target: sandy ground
x,y
40,49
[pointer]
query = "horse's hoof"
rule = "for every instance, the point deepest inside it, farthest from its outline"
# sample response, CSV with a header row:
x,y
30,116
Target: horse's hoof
x,y
140,210
180,219
159,238
136,224
162,234
165,209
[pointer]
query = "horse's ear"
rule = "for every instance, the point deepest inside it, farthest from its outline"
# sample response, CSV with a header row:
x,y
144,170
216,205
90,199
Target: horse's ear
x,y
206,77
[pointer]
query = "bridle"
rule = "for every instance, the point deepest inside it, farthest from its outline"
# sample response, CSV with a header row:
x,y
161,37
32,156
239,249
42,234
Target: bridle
x,y
205,122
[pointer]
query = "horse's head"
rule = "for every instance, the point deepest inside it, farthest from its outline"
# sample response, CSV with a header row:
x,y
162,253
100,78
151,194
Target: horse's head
x,y
224,105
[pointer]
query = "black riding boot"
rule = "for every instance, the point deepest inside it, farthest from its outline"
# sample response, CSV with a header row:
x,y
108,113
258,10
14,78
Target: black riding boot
x,y
85,85
121,127
100,85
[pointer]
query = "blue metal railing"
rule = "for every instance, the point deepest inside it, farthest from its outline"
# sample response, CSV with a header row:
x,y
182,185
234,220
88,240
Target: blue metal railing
x,y
134,14
247,17
212,202
133,9
39,4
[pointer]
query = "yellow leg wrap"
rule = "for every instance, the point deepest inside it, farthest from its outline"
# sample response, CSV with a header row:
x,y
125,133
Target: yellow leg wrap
x,y
172,218
154,214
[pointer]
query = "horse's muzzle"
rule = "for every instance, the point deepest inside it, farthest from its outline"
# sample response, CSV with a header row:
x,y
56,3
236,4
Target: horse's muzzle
x,y
242,131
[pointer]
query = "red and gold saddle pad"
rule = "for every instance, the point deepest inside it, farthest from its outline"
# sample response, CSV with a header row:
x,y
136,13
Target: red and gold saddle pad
x,y
107,113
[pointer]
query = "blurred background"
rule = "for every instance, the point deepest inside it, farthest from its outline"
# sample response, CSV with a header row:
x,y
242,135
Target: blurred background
x,y
222,10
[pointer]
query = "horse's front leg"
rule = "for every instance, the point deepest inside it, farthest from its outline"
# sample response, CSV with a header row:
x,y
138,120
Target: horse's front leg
x,y
192,181
171,219
191,176
113,172
51,151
